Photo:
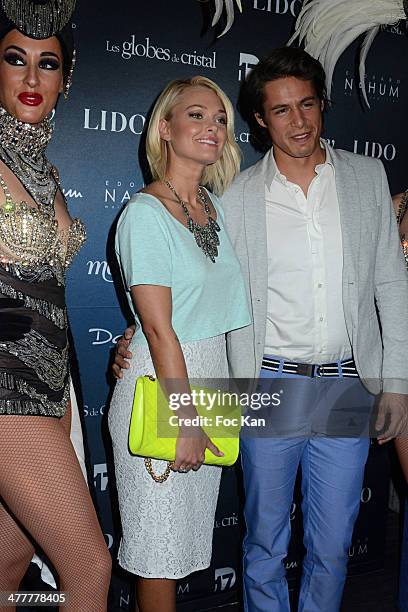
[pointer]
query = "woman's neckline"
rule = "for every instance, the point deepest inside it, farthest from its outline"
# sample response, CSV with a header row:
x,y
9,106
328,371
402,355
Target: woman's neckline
x,y
166,210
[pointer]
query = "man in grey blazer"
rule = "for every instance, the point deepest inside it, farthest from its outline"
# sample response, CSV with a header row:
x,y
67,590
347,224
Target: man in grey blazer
x,y
319,250
316,237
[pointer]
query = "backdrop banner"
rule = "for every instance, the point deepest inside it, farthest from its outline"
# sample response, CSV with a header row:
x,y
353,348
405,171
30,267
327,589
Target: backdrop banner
x,y
127,53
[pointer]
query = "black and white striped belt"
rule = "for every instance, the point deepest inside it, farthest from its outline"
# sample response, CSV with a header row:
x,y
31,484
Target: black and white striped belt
x,y
346,368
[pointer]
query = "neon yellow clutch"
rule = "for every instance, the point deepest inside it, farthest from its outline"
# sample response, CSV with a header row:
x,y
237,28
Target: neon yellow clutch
x,y
154,423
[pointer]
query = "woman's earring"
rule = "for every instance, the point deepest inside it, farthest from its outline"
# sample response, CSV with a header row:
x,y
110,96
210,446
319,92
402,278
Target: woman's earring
x,y
68,82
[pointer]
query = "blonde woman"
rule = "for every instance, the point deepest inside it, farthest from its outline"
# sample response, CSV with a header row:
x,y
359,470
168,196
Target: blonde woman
x,y
185,287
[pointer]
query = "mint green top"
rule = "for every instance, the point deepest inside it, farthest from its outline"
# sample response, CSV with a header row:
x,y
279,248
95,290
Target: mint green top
x,y
154,248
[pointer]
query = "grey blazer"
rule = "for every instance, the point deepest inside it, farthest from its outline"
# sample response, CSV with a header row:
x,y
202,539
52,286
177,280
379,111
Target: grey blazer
x,y
375,281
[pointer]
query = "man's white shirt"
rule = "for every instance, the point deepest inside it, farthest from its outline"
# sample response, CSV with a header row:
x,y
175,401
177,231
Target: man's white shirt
x,y
305,316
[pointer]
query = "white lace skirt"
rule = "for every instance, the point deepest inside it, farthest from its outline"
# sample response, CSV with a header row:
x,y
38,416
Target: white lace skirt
x,y
168,527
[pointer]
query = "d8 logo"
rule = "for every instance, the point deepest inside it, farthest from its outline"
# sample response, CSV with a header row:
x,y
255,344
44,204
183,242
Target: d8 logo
x,y
224,578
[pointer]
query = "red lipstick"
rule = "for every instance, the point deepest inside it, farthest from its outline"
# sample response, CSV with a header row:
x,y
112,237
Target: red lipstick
x,y
30,98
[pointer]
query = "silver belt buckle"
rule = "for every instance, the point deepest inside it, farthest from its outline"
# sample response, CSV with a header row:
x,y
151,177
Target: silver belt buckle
x,y
320,370
305,369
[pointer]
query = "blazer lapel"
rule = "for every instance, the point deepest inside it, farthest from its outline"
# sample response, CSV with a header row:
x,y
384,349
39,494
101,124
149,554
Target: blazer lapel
x,y
349,206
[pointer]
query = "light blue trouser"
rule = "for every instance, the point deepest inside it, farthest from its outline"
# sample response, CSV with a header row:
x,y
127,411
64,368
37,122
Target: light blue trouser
x,y
332,478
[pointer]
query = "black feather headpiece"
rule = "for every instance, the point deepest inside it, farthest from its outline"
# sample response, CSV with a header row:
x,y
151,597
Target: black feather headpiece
x,y
41,19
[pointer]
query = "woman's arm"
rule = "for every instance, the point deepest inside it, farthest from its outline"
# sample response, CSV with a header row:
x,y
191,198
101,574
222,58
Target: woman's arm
x,y
153,304
154,307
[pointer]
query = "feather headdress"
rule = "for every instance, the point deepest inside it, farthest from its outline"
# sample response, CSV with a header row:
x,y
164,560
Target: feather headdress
x,y
229,8
328,27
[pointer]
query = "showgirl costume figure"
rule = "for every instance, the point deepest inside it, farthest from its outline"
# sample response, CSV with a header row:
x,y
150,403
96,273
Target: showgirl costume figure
x,y
44,499
401,210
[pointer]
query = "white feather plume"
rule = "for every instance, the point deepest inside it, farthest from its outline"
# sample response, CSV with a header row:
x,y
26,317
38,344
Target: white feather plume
x,y
219,5
229,8
327,27
365,47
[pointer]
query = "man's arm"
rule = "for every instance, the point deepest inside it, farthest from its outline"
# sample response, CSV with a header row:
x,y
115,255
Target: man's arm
x,y
122,353
391,293
239,341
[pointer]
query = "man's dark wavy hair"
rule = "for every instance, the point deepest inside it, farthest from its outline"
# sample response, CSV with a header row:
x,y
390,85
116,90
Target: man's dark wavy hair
x,y
280,63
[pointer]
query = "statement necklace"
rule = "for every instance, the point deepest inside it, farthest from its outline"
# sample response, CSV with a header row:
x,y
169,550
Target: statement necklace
x,y
205,236
22,147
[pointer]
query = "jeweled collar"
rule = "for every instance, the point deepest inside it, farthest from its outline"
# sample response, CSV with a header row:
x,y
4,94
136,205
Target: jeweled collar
x,y
26,139
22,147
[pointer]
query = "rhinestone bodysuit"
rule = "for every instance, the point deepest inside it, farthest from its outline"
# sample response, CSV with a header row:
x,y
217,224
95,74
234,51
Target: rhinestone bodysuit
x,y
402,211
34,256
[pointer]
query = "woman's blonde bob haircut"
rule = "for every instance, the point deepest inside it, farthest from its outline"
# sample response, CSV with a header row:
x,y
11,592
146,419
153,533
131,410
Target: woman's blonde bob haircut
x,y
218,176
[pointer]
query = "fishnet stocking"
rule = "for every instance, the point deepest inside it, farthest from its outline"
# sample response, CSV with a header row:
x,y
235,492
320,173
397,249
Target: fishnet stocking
x,y
15,553
401,445
42,486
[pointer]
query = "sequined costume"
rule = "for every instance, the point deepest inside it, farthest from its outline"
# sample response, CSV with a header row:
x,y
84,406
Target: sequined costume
x,y
34,256
402,211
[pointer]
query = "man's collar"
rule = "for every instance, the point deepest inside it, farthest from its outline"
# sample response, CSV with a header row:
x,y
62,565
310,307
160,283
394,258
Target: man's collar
x,y
275,173
329,157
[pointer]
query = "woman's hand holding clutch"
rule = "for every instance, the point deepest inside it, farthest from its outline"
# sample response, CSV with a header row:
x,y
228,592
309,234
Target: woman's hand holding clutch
x,y
190,449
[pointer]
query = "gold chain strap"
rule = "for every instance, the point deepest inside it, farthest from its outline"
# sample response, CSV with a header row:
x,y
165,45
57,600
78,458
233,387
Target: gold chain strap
x,y
158,478
148,462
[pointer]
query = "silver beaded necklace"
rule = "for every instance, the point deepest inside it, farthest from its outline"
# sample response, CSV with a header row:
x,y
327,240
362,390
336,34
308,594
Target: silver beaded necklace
x,y
205,236
22,147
